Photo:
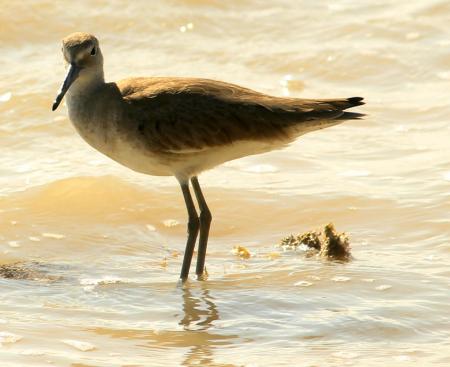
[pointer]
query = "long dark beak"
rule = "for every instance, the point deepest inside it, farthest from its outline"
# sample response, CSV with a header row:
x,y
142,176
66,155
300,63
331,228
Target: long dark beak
x,y
72,74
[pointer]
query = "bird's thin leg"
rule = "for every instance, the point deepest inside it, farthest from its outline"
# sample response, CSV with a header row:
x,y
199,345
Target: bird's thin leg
x,y
192,230
205,223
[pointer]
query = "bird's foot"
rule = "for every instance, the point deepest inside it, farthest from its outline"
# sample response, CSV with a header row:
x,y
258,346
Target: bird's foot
x,y
203,276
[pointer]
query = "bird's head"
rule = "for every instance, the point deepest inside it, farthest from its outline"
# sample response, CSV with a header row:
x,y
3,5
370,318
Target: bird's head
x,y
81,52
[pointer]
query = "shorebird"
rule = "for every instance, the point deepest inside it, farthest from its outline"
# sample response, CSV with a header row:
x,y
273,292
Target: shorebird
x,y
167,126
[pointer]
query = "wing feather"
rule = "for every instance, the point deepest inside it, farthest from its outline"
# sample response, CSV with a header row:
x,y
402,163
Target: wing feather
x,y
187,114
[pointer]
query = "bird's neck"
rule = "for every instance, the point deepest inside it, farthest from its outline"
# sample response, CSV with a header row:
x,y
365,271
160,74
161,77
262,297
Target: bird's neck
x,y
81,98
85,85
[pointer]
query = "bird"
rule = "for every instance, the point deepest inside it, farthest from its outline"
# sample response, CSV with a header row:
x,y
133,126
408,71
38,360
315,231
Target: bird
x,y
182,126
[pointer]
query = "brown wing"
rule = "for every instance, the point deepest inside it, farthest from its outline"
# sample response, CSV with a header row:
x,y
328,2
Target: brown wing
x,y
177,114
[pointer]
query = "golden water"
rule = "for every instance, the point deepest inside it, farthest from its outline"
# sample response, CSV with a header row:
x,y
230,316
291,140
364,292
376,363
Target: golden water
x,y
102,246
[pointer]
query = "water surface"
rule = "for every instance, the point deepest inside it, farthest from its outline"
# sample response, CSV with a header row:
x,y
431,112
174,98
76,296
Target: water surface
x,y
100,247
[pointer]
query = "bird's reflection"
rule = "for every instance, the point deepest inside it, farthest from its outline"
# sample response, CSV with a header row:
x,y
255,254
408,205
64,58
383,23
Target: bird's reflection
x,y
198,339
199,314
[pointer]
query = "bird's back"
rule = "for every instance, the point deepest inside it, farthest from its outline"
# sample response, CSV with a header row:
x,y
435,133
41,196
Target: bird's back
x,y
191,114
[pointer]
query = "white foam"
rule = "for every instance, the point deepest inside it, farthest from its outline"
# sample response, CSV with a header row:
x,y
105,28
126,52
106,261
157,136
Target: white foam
x,y
55,236
83,346
340,279
383,287
9,338
5,97
171,223
108,279
303,283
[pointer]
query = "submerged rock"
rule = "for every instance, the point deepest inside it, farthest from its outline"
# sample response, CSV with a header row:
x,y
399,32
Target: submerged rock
x,y
26,271
328,244
336,246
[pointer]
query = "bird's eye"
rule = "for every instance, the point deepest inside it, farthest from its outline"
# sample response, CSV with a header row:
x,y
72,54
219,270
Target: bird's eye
x,y
93,51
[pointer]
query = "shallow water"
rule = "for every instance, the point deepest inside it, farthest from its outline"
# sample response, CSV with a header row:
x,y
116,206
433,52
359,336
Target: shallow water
x,y
100,247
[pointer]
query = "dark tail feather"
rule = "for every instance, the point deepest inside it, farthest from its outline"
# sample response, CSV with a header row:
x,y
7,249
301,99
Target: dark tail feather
x,y
355,101
344,103
351,116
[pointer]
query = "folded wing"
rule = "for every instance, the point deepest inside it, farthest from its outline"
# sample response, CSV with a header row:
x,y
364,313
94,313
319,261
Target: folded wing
x,y
185,114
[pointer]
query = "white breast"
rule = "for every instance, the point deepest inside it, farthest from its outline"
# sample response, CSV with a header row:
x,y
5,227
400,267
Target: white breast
x,y
136,157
